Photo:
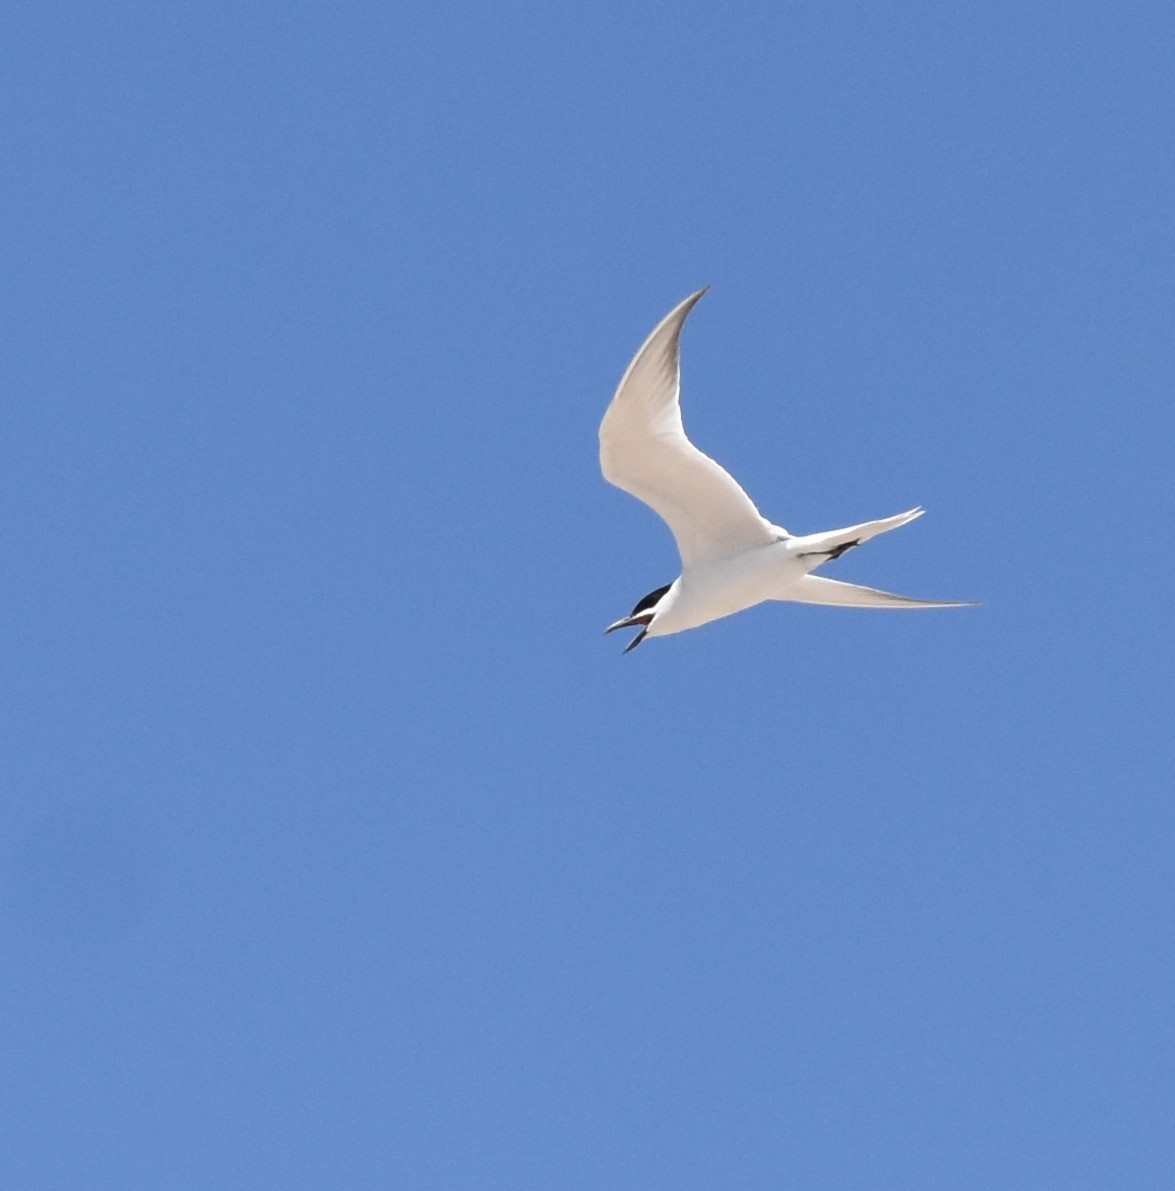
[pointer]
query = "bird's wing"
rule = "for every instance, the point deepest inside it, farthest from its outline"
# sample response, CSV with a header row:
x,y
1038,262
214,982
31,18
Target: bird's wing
x,y
815,589
644,450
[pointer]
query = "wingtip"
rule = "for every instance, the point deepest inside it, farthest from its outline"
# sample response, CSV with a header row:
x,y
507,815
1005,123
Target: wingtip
x,y
685,306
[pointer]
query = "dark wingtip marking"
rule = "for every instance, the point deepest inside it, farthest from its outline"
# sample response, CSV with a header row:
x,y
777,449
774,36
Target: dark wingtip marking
x,y
837,551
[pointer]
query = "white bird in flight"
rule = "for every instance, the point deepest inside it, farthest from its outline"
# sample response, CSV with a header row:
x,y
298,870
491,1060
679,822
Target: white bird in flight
x,y
731,556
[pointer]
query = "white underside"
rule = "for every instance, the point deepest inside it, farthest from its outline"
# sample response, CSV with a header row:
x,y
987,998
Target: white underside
x,y
779,571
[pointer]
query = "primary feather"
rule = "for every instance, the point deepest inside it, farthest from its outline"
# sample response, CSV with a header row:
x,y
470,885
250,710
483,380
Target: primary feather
x,y
644,450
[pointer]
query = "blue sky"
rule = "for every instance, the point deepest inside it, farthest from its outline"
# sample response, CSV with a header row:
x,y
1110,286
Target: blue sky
x,y
338,847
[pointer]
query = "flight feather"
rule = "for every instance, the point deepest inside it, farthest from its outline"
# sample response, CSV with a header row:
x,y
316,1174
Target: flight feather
x,y
644,450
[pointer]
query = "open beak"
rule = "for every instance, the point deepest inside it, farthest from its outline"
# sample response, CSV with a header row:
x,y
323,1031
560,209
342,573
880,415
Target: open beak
x,y
631,622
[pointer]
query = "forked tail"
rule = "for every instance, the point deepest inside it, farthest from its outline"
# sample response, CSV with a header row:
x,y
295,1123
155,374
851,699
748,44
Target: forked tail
x,y
819,548
815,589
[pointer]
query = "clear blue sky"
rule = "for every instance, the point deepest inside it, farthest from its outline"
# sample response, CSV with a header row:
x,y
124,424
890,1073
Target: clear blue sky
x,y
338,847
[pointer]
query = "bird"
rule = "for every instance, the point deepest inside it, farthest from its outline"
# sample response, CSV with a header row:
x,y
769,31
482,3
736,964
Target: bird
x,y
732,557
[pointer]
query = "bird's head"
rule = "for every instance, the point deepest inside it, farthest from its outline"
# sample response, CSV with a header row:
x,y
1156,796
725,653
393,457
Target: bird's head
x,y
643,614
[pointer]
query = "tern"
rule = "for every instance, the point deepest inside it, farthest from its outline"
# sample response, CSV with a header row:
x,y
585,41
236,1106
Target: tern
x,y
732,557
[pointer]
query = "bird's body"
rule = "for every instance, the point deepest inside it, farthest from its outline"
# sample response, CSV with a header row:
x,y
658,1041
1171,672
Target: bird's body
x,y
732,557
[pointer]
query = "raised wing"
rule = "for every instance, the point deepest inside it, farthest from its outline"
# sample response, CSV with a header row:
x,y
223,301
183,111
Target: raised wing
x,y
644,450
